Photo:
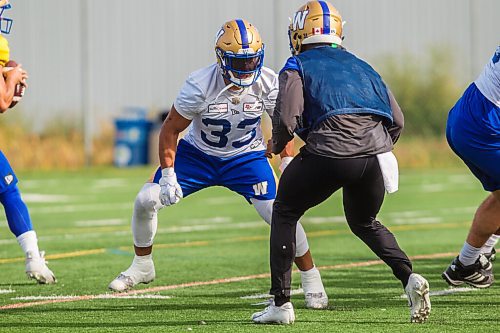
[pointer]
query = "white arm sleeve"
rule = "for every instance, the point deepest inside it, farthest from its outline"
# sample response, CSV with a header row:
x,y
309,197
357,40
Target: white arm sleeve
x,y
270,86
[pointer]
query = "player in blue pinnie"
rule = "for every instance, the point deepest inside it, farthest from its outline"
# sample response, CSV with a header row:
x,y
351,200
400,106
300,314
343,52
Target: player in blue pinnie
x,y
222,104
350,121
473,133
16,211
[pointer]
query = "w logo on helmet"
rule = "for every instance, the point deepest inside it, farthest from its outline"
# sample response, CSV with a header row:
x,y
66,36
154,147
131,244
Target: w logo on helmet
x,y
299,20
315,22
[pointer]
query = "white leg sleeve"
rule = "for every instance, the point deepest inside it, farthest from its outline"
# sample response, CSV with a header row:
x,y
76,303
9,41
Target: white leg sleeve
x,y
301,241
490,243
145,216
265,210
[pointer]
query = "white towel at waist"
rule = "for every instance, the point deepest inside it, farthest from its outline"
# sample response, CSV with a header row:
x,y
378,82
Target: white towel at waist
x,y
389,167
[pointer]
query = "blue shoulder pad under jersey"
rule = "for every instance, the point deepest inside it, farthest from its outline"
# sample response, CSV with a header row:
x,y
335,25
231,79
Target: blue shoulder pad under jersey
x,y
291,64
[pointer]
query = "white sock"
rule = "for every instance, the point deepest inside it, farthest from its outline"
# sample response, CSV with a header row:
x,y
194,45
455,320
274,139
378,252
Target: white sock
x,y
142,264
141,260
311,280
469,254
29,243
490,244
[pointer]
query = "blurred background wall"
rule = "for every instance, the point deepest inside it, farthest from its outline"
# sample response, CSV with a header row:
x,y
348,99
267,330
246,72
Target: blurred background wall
x,y
89,59
138,53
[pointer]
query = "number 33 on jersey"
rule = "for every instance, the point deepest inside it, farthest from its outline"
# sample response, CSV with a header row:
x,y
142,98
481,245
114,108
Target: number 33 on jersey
x,y
228,123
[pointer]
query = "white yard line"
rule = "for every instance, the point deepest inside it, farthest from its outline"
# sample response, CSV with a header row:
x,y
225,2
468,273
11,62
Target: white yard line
x,y
109,182
81,208
7,291
101,296
299,291
323,219
100,223
449,291
417,220
45,198
213,223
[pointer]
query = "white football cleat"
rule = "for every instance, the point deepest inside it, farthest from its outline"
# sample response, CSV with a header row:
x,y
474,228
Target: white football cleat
x,y
275,314
417,291
314,292
135,274
36,268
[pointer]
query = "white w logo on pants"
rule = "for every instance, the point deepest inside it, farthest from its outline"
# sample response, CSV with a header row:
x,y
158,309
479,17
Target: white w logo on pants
x,y
260,188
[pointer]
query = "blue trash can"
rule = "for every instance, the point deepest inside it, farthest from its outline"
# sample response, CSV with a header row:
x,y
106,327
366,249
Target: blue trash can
x,y
131,141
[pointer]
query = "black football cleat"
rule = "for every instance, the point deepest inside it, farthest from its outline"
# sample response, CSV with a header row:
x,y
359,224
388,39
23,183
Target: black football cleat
x,y
479,274
491,256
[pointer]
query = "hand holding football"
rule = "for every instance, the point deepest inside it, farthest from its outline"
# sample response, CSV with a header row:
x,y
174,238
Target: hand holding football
x,y
20,87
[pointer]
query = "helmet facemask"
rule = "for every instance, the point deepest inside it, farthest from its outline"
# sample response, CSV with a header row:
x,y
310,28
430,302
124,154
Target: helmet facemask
x,y
242,69
5,23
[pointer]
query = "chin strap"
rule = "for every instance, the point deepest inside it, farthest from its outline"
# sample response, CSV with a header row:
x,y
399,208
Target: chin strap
x,y
242,92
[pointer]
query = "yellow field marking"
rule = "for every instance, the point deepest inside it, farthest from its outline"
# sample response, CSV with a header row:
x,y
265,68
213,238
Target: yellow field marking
x,y
210,282
311,234
59,255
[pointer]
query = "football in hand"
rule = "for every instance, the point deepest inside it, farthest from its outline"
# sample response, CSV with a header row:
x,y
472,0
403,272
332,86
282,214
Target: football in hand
x,y
19,89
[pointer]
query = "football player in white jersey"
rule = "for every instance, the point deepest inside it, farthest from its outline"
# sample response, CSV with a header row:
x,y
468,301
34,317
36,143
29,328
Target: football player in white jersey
x,y
222,105
473,133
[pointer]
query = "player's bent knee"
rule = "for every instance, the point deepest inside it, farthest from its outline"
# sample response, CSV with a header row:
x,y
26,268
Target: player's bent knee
x,y
148,199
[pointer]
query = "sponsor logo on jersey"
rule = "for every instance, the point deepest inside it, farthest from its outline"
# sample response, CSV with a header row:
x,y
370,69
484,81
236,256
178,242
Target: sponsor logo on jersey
x,y
260,188
218,108
234,111
256,143
8,179
253,107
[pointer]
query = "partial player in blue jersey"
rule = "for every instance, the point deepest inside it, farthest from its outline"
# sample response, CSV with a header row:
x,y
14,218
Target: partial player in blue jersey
x,y
16,211
222,105
473,133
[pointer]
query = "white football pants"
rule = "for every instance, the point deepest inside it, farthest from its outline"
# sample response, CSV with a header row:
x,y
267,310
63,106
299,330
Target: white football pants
x,y
145,218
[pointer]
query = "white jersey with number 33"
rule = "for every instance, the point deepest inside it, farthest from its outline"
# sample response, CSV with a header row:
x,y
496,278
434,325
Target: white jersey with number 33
x,y
228,123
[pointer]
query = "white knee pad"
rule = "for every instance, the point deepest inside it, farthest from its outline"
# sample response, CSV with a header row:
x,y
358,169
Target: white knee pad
x,y
265,210
145,216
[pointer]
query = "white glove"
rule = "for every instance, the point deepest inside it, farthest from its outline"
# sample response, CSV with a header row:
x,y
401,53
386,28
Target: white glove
x,y
284,162
171,192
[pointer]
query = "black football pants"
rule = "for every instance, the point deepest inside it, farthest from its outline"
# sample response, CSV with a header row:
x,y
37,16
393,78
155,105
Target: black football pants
x,y
309,180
